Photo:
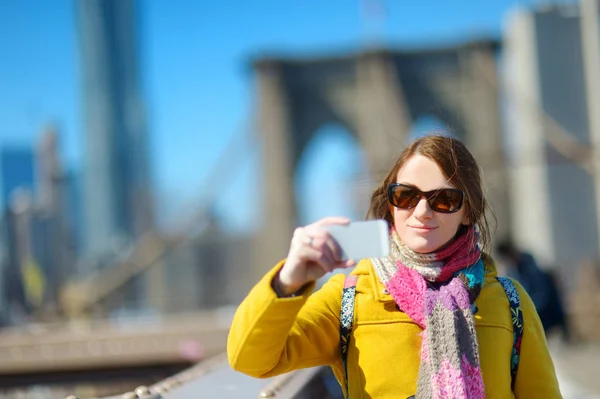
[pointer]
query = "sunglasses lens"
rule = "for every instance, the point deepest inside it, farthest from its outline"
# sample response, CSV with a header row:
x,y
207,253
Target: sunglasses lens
x,y
404,197
446,201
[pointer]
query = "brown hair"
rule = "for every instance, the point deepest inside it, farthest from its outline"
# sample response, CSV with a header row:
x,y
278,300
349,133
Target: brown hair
x,y
458,166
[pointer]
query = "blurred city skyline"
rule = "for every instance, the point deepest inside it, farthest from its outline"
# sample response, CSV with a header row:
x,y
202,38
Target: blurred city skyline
x,y
198,85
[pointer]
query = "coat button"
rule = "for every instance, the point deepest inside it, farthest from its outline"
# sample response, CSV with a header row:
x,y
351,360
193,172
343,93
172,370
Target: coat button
x,y
385,292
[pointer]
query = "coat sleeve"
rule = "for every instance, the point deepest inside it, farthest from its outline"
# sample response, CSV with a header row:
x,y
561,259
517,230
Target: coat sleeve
x,y
271,336
536,377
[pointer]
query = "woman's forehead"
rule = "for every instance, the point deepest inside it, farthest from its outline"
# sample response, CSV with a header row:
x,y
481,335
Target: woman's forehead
x,y
422,173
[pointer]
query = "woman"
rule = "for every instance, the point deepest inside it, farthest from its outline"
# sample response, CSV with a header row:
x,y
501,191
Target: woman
x,y
429,320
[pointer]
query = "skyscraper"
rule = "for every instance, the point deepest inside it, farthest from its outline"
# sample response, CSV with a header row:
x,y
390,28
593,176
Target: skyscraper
x,y
17,179
54,243
116,193
17,170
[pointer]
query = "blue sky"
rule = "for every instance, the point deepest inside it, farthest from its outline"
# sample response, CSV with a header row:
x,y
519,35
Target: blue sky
x,y
198,85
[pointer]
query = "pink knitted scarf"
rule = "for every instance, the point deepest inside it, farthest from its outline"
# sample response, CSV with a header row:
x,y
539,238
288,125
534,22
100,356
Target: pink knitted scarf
x,y
437,291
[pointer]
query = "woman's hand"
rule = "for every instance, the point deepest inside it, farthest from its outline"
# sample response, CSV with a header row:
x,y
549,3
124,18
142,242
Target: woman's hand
x,y
313,253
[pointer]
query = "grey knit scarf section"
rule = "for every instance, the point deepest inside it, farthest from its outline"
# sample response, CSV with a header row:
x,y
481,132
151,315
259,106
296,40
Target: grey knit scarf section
x,y
426,264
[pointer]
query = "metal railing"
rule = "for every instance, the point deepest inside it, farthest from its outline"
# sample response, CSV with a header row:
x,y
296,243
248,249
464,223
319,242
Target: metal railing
x,y
156,391
299,384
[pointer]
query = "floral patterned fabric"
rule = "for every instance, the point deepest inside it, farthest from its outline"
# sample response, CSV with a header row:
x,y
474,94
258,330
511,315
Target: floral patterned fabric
x,y
517,323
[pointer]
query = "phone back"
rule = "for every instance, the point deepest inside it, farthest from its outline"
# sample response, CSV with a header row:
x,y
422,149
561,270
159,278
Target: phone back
x,y
365,239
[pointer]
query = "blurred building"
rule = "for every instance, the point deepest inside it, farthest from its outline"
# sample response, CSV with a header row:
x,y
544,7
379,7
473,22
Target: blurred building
x,y
116,176
73,194
590,28
26,277
553,126
54,240
16,174
50,172
38,242
16,170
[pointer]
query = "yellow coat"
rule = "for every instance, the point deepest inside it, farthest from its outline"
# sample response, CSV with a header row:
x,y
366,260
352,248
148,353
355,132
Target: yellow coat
x,y
271,336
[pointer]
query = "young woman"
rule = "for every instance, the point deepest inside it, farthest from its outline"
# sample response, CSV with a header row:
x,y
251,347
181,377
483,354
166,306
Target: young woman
x,y
431,320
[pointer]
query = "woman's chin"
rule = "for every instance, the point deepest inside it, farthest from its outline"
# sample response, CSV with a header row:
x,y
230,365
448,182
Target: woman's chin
x,y
421,245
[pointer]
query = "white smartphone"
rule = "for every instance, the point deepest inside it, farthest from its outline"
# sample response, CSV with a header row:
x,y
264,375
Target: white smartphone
x,y
365,239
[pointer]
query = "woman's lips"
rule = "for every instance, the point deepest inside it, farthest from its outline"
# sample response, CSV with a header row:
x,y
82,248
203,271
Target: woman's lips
x,y
422,229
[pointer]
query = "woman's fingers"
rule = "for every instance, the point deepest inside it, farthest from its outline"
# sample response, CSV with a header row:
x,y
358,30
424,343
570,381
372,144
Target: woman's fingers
x,y
331,220
310,244
314,252
321,258
321,238
331,250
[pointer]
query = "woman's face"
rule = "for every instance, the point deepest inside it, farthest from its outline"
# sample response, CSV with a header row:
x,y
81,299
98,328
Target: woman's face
x,y
420,228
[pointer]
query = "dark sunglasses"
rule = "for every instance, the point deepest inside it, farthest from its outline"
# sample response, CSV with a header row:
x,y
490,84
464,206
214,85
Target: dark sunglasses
x,y
443,200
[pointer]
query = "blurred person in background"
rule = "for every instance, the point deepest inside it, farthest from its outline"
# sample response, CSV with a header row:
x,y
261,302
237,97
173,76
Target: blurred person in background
x,y
541,286
431,320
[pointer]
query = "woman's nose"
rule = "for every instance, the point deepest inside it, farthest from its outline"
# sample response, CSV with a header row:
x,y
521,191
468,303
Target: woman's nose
x,y
423,210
